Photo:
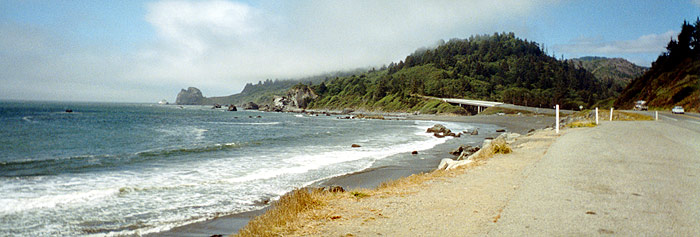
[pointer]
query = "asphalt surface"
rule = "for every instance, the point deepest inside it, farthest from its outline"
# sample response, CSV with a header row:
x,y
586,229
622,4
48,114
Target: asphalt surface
x,y
619,178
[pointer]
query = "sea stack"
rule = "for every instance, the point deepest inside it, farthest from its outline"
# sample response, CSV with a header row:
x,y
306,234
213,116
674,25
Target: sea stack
x,y
191,96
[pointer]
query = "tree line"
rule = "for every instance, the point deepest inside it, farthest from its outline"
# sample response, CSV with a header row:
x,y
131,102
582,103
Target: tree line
x,y
498,67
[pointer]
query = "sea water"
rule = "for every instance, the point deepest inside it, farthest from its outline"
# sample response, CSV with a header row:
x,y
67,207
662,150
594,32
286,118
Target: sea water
x,y
114,169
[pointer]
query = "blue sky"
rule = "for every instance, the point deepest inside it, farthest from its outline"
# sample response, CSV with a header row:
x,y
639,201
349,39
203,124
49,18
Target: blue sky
x,y
144,51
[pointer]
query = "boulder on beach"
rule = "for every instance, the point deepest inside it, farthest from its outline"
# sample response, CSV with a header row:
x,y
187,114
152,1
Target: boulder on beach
x,y
441,131
437,128
468,151
414,153
500,130
464,148
448,164
474,133
355,145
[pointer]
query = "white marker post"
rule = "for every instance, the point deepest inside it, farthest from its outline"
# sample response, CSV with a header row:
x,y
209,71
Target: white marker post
x,y
656,115
611,111
596,116
557,112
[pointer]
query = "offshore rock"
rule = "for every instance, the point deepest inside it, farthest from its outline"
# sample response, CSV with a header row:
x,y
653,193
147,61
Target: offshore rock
x,y
191,96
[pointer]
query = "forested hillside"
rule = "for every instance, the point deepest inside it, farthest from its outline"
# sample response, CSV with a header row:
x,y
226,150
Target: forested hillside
x,y
674,78
498,67
616,72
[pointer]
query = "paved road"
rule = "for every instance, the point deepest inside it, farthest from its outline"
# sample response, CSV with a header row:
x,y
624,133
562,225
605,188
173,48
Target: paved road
x,y
620,178
688,120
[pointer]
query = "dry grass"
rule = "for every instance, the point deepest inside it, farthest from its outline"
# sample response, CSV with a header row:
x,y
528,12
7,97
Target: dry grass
x,y
283,216
626,116
359,194
581,124
401,184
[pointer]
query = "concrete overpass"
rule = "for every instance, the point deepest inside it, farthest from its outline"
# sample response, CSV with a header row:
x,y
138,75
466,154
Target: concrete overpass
x,y
479,105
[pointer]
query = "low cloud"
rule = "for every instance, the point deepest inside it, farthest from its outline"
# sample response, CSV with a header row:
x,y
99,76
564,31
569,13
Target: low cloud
x,y
220,45
651,44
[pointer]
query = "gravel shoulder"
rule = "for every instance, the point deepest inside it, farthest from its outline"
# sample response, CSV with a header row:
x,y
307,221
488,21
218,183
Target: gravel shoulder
x,y
622,178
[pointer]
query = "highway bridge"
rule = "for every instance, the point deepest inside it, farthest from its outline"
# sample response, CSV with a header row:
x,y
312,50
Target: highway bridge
x,y
476,106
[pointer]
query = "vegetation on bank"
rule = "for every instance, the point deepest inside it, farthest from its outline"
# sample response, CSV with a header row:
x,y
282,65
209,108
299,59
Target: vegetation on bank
x,y
498,67
674,78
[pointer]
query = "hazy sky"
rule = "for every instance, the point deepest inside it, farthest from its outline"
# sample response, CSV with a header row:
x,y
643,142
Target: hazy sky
x,y
144,51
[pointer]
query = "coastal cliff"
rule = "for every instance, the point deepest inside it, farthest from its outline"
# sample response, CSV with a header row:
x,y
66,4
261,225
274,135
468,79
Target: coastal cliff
x,y
300,96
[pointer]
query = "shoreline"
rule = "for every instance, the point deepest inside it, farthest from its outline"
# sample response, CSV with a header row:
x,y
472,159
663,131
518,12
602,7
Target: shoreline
x,y
382,171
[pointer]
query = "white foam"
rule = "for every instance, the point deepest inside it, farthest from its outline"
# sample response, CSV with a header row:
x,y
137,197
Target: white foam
x,y
199,133
241,123
28,119
305,162
13,205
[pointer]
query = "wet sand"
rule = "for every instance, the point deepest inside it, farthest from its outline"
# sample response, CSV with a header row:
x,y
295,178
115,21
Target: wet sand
x,y
392,168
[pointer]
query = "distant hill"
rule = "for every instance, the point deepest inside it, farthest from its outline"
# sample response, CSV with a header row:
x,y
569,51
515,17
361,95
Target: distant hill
x,y
617,70
674,78
498,67
261,93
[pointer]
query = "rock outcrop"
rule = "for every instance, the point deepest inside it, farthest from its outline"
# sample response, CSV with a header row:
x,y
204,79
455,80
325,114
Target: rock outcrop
x,y
490,147
250,105
296,99
191,96
300,96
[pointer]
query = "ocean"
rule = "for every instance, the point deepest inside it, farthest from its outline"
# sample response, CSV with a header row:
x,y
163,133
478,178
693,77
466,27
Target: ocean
x,y
132,169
